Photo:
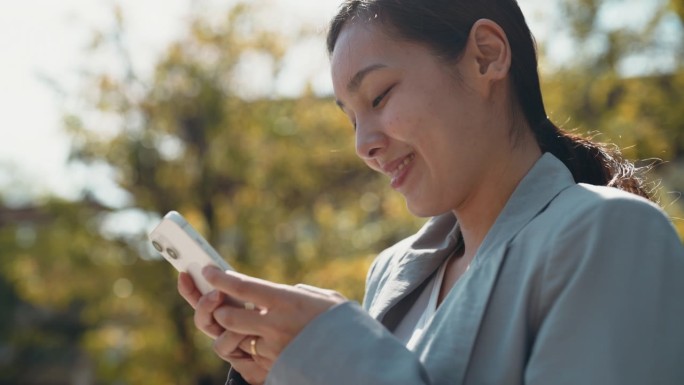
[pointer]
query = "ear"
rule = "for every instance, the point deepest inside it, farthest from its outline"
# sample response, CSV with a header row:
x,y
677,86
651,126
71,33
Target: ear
x,y
489,51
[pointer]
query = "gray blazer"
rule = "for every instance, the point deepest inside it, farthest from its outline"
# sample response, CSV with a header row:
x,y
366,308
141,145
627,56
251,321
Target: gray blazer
x,y
573,284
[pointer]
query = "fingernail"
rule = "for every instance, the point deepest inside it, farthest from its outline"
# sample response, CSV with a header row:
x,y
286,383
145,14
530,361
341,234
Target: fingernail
x,y
214,296
207,270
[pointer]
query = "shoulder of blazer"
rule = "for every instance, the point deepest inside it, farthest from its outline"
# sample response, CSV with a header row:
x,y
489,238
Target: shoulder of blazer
x,y
585,209
582,203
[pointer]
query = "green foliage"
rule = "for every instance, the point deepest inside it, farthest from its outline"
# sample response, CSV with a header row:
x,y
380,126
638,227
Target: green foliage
x,y
640,114
273,183
678,7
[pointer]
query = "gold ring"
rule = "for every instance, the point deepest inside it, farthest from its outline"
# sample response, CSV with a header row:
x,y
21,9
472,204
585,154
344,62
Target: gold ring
x,y
252,346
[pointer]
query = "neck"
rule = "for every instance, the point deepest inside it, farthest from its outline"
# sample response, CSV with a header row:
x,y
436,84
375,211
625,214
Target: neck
x,y
479,211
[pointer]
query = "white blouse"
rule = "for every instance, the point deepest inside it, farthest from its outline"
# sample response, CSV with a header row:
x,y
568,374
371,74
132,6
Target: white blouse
x,y
416,320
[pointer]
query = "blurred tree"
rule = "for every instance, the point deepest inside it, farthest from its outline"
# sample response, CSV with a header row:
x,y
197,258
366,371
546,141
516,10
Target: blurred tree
x,y
274,184
678,6
600,90
44,291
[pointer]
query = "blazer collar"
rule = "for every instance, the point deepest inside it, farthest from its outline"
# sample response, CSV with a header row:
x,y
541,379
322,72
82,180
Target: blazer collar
x,y
414,263
440,236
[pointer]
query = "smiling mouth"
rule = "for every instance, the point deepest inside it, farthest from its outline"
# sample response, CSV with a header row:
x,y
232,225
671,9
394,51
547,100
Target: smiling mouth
x,y
397,175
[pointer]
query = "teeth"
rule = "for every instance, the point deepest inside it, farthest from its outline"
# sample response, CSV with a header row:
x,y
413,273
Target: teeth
x,y
403,164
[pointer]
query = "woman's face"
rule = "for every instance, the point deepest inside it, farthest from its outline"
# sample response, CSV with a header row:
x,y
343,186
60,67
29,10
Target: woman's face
x,y
421,121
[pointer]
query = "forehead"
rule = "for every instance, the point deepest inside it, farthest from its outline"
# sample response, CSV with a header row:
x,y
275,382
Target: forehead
x,y
362,44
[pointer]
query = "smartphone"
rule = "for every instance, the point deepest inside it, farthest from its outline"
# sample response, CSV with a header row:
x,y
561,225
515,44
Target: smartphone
x,y
181,245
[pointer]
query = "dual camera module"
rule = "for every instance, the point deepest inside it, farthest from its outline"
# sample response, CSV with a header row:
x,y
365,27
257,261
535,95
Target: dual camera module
x,y
170,251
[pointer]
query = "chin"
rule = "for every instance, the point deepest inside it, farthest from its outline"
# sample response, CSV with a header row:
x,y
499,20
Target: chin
x,y
424,211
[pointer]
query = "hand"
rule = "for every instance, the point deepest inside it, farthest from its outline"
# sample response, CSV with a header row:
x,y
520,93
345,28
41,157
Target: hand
x,y
226,343
282,312
204,305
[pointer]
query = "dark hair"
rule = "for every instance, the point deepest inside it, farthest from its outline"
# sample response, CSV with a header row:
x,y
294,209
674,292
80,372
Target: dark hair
x,y
444,25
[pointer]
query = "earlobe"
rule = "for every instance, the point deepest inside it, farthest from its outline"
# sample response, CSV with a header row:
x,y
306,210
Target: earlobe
x,y
491,49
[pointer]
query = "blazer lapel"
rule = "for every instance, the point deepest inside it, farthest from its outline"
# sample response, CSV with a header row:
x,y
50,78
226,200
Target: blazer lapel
x,y
426,252
447,347
446,350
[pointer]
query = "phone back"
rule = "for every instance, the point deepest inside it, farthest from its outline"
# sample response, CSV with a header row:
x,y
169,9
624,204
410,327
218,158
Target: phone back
x,y
185,249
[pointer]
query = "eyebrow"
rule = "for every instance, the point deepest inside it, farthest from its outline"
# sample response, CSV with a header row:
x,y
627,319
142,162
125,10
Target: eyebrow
x,y
357,79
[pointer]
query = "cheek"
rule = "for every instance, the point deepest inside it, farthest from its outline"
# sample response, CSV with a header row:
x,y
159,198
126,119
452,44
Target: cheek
x,y
403,119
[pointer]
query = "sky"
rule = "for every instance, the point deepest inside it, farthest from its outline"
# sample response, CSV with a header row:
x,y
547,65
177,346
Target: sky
x,y
43,47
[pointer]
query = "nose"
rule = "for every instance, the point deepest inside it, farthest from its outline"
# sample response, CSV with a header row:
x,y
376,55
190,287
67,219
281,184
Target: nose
x,y
370,141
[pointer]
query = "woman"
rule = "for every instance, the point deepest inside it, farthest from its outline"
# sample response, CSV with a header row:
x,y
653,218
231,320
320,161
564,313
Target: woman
x,y
537,267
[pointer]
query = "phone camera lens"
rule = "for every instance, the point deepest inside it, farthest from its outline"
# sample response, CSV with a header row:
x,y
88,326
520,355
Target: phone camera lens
x,y
157,246
172,253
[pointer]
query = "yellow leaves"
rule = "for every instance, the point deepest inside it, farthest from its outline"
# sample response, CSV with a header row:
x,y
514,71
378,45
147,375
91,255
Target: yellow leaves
x,y
347,276
28,281
678,7
641,115
635,113
324,212
288,198
679,225
107,83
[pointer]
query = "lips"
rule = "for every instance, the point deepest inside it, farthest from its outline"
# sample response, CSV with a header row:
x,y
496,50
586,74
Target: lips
x,y
398,169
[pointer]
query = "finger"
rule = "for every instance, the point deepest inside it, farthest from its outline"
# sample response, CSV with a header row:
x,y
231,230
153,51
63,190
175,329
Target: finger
x,y
264,357
227,347
246,322
188,290
263,362
250,370
242,287
204,317
319,291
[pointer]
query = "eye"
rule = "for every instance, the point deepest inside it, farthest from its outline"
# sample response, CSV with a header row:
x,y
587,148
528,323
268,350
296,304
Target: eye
x,y
378,100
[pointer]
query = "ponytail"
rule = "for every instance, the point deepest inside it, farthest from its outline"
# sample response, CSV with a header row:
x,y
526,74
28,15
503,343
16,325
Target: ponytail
x,y
590,162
